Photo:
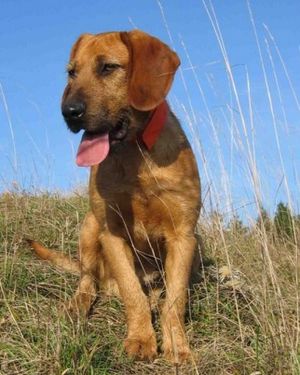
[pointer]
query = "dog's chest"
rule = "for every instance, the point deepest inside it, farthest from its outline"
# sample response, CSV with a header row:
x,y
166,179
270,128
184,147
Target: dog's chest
x,y
130,197
138,196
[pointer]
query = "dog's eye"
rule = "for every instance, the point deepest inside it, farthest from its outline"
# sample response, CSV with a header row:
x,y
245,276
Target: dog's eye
x,y
108,68
71,73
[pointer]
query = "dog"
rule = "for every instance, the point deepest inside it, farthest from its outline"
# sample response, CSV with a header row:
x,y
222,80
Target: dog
x,y
144,187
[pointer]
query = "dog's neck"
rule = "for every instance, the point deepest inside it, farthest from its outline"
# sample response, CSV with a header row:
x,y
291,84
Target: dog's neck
x,y
154,127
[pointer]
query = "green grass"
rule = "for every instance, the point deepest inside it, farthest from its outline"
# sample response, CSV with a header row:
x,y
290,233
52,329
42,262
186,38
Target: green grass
x,y
242,321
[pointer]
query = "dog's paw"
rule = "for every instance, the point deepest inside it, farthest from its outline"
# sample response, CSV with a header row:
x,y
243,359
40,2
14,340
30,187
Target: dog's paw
x,y
78,307
143,348
177,352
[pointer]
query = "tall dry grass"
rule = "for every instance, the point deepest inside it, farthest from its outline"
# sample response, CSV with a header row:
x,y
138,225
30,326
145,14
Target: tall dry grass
x,y
241,317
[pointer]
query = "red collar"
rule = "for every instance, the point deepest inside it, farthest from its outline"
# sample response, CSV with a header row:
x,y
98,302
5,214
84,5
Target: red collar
x,y
155,125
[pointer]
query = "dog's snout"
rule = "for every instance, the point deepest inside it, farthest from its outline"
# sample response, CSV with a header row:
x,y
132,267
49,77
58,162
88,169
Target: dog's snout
x,y
73,110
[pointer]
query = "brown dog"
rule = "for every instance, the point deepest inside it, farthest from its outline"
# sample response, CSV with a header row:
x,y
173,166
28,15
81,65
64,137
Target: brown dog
x,y
144,186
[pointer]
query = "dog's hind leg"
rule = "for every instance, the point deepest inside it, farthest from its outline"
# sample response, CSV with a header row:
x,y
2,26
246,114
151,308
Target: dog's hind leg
x,y
89,252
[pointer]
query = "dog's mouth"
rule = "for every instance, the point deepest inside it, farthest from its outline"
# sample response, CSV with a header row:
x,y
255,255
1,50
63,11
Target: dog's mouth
x,y
94,146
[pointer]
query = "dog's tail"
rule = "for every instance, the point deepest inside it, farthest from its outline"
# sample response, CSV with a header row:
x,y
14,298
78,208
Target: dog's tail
x,y
55,257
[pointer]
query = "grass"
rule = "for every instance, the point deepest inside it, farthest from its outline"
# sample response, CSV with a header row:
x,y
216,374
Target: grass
x,y
241,318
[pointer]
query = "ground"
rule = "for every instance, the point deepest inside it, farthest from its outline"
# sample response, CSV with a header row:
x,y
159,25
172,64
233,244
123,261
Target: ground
x,y
242,318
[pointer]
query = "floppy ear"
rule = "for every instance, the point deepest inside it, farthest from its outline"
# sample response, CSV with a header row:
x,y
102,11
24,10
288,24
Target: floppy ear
x,y
152,67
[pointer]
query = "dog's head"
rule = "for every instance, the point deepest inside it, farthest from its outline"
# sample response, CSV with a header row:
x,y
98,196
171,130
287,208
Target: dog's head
x,y
112,74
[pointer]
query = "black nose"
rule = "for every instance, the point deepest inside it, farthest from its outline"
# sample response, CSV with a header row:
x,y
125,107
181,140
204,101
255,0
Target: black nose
x,y
73,110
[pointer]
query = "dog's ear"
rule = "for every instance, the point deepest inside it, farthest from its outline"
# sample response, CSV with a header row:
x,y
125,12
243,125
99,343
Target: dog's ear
x,y
152,66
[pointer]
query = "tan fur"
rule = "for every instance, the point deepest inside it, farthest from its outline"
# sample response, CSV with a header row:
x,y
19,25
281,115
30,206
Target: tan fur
x,y
144,204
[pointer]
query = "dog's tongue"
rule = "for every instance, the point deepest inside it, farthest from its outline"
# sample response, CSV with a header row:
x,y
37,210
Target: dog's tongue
x,y
92,150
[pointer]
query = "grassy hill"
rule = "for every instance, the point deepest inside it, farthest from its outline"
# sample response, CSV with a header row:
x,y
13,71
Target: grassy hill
x,y
243,318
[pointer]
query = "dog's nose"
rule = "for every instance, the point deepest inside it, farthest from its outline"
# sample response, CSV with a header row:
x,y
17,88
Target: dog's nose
x,y
73,110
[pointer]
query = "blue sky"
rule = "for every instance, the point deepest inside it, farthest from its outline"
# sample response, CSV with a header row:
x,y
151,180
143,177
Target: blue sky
x,y
232,125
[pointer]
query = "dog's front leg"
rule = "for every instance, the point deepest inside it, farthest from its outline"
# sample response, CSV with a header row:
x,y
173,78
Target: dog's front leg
x,y
180,252
140,341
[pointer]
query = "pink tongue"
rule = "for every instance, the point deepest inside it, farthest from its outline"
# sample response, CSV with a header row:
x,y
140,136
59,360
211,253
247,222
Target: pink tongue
x,y
92,150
